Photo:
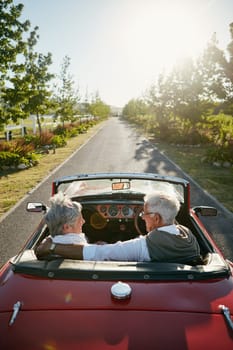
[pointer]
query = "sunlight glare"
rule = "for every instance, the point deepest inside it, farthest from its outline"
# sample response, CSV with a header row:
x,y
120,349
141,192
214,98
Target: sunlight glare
x,y
158,34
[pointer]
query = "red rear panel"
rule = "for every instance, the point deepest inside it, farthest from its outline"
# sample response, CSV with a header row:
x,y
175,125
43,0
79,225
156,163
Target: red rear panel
x,y
106,330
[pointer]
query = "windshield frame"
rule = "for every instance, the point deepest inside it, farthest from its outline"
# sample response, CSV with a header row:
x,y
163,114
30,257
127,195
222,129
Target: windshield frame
x,y
102,183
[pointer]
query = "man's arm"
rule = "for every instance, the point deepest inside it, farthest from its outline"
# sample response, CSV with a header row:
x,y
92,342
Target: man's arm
x,y
70,251
132,250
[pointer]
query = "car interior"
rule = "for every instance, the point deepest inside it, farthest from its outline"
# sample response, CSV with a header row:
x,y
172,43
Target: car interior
x,y
119,219
113,219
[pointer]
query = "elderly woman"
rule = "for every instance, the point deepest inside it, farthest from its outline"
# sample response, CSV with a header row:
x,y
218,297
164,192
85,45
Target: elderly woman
x,y
64,220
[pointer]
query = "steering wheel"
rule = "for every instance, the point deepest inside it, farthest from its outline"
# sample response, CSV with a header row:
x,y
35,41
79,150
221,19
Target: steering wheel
x,y
139,223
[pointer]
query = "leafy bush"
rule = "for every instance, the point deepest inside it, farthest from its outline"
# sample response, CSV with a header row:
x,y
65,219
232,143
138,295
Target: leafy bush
x,y
30,160
220,129
73,132
15,152
82,128
58,141
38,141
9,159
32,140
22,150
73,129
193,137
60,130
46,138
67,130
219,154
18,146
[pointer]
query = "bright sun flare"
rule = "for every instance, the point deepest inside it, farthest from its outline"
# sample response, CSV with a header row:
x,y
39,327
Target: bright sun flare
x,y
159,34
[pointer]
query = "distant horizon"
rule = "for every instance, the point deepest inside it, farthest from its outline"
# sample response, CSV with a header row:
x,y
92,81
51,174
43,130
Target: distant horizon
x,y
118,47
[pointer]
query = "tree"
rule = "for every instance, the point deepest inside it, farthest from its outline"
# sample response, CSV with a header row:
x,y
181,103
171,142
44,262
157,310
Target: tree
x,y
218,73
229,72
11,34
24,72
86,104
37,79
19,89
176,100
98,108
187,88
66,97
12,46
159,101
134,108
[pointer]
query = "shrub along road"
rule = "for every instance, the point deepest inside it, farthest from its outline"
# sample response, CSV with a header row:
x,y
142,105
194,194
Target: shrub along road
x,y
115,147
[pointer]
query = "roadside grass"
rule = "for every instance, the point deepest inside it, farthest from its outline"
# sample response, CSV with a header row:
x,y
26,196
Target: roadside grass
x,y
218,181
14,185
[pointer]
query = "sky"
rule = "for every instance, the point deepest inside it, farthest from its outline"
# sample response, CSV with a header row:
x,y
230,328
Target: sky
x,y
118,47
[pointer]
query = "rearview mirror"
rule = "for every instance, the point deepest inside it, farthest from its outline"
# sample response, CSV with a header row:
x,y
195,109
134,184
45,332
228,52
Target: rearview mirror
x,y
120,186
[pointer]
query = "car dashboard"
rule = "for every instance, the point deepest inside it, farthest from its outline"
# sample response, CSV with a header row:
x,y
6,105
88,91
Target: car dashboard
x,y
111,221
120,211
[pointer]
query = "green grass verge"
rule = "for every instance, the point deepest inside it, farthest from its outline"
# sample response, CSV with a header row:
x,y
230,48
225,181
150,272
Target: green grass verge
x,y
218,181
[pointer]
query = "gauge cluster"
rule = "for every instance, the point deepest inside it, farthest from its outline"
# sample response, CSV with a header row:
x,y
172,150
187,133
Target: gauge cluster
x,y
118,211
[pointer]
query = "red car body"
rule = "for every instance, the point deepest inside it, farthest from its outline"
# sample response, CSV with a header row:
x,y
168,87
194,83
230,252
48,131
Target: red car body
x,y
62,304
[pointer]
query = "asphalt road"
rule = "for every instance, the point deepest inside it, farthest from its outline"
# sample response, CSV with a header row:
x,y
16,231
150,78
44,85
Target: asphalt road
x,y
115,147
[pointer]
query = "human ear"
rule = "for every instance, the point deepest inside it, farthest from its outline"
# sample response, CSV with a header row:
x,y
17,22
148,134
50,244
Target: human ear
x,y
66,227
158,218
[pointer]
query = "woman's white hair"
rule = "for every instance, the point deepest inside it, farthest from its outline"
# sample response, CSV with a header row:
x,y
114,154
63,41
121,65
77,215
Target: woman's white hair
x,y
62,211
166,205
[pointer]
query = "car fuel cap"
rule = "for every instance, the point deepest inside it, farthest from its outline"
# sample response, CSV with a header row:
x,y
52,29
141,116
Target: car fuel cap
x,y
121,290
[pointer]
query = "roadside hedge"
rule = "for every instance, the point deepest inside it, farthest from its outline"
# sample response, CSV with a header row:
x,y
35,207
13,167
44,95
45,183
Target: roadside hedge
x,y
26,151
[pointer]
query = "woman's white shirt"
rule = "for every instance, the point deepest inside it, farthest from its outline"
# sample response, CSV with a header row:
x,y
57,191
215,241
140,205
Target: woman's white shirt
x,y
70,238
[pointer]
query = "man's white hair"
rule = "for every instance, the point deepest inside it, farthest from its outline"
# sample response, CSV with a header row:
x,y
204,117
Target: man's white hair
x,y
166,205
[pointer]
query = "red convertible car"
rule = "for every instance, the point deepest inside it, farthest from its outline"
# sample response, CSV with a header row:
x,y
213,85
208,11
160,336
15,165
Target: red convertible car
x,y
64,304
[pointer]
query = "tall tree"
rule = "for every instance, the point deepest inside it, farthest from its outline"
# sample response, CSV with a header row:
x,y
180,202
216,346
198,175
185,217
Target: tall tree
x,y
12,46
160,102
66,96
187,91
218,73
229,72
11,34
134,108
98,108
37,78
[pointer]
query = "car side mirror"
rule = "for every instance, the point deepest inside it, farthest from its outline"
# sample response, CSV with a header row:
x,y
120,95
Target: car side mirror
x,y
36,207
206,211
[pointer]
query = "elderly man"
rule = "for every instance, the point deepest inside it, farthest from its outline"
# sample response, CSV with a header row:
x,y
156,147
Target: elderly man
x,y
165,241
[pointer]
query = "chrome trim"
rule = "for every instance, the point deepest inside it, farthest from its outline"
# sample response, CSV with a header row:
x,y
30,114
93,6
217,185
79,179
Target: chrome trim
x,y
227,315
16,309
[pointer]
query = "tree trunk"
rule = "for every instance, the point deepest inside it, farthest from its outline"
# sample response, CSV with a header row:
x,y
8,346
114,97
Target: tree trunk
x,y
39,123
